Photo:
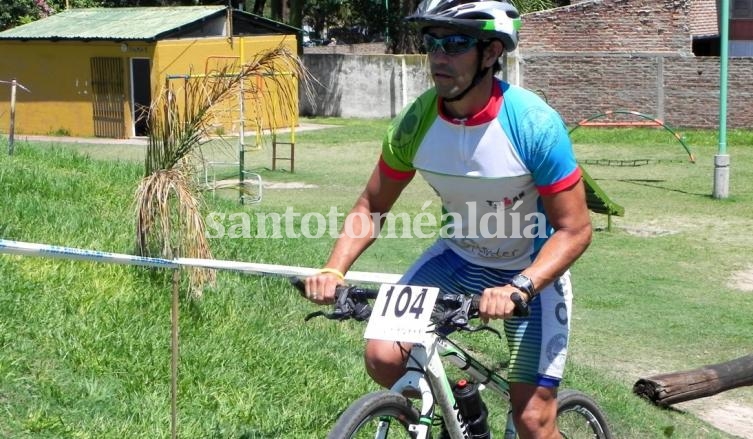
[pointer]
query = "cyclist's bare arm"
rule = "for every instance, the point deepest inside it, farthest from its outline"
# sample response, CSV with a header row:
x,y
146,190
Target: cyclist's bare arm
x,y
377,198
568,214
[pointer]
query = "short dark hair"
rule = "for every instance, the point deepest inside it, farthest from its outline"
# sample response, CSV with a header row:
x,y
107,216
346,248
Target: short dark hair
x,y
486,43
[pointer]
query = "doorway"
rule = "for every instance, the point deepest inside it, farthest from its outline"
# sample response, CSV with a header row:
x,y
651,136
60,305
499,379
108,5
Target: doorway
x,y
141,95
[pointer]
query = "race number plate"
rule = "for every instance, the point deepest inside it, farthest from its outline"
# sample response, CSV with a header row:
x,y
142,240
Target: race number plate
x,y
401,313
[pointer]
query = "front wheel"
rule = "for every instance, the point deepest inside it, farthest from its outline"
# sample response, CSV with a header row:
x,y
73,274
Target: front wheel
x,y
579,417
376,415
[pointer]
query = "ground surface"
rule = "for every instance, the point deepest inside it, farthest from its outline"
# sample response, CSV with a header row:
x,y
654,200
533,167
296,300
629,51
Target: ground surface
x,y
729,411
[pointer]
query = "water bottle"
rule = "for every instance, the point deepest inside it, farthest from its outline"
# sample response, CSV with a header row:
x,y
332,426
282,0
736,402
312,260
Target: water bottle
x,y
472,409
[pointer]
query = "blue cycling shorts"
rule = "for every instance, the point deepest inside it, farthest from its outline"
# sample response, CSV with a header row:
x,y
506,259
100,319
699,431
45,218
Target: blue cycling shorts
x,y
537,343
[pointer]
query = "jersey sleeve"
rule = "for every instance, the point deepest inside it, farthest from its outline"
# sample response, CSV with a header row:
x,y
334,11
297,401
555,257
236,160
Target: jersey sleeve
x,y
548,151
404,136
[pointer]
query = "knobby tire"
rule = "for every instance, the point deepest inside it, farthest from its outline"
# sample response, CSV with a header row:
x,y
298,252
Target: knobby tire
x,y
579,417
362,418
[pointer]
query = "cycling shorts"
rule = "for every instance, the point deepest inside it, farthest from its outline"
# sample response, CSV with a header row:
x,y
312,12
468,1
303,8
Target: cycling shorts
x,y
537,343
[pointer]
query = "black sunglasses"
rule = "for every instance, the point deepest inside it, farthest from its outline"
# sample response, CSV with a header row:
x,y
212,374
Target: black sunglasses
x,y
450,44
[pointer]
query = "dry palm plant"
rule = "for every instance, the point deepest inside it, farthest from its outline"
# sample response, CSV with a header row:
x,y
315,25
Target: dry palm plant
x,y
169,202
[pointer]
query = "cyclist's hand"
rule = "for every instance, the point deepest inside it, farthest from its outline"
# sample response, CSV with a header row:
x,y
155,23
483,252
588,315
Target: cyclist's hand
x,y
320,288
496,303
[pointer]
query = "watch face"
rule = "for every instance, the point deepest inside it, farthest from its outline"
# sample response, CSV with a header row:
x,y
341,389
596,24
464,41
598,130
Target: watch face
x,y
523,283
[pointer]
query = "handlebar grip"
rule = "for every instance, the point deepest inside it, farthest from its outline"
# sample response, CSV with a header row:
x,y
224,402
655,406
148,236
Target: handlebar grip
x,y
521,306
475,301
299,285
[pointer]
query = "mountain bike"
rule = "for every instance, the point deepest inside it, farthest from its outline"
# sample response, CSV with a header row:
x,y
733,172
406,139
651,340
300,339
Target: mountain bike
x,y
424,317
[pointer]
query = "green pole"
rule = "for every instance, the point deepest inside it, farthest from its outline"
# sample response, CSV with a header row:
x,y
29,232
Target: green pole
x,y
721,159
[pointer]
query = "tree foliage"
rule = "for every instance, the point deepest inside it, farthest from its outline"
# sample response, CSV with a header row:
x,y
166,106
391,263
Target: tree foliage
x,y
369,18
16,12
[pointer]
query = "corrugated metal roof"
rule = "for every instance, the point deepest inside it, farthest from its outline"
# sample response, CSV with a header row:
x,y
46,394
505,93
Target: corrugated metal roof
x,y
145,23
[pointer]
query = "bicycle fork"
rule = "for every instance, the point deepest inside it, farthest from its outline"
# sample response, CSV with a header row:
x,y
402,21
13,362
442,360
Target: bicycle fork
x,y
425,376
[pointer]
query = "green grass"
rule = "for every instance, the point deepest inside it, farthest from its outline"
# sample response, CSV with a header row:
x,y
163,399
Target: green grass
x,y
84,347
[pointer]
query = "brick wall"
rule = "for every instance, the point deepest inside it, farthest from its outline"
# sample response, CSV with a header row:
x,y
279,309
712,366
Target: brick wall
x,y
683,91
602,55
610,26
348,49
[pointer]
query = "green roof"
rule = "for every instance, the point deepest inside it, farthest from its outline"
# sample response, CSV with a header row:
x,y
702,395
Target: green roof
x,y
142,23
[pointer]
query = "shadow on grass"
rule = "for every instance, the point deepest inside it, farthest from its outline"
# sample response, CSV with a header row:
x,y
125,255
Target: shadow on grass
x,y
648,183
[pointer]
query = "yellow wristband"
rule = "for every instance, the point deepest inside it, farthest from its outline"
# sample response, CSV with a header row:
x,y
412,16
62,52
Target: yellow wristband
x,y
334,271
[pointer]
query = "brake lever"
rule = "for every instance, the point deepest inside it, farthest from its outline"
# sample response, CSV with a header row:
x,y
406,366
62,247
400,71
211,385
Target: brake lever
x,y
482,328
337,314
314,314
462,317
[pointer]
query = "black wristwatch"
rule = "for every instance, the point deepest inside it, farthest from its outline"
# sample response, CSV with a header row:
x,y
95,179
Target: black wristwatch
x,y
524,284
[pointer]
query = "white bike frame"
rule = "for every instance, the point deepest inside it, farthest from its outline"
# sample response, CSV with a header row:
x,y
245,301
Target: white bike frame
x,y
425,375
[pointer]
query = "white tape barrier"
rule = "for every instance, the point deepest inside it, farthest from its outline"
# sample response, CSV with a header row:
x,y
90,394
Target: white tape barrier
x,y
53,251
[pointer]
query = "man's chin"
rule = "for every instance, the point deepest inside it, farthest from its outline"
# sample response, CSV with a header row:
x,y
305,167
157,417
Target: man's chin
x,y
447,94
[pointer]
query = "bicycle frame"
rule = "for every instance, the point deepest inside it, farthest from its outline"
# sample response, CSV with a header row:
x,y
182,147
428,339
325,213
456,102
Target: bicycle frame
x,y
425,374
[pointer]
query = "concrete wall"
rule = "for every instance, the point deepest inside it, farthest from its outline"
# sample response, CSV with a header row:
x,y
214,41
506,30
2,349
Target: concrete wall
x,y
368,85
363,85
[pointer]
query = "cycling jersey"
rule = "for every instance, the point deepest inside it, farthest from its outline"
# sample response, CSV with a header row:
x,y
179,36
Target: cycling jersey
x,y
489,170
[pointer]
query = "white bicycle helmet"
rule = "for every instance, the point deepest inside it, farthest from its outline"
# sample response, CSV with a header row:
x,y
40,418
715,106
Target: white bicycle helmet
x,y
482,19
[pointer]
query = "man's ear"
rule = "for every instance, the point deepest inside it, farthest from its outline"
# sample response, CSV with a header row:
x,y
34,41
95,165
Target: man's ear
x,y
492,53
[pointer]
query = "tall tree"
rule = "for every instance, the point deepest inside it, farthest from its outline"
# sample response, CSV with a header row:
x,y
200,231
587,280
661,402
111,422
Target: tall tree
x,y
16,12
403,37
276,10
258,7
321,14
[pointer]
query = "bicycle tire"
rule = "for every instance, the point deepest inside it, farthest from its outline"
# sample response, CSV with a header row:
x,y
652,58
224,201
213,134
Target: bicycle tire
x,y
364,416
580,417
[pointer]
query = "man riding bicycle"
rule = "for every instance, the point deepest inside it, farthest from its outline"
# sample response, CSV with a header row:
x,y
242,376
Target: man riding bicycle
x,y
490,150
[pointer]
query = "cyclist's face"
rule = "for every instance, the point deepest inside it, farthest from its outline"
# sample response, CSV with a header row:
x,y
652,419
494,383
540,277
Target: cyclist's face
x,y
453,59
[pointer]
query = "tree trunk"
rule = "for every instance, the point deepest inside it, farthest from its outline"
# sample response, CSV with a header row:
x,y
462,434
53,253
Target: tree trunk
x,y
671,388
259,7
276,10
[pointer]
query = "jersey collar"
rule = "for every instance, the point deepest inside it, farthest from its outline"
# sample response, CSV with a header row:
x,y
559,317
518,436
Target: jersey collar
x,y
487,114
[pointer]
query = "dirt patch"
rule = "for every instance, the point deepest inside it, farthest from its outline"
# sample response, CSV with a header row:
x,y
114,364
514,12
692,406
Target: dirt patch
x,y
649,231
742,280
723,413
268,184
289,185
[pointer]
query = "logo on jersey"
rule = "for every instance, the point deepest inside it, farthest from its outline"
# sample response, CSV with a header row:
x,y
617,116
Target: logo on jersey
x,y
506,202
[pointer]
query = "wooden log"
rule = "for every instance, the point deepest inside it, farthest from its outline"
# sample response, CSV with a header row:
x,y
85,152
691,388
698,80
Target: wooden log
x,y
671,388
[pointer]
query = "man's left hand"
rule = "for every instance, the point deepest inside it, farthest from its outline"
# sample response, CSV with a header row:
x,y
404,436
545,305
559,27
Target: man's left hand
x,y
496,303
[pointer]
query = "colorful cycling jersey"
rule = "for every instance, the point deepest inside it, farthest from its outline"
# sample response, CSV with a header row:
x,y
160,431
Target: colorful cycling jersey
x,y
489,171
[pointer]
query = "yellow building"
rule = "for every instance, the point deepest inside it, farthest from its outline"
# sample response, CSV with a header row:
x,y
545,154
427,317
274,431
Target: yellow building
x,y
91,71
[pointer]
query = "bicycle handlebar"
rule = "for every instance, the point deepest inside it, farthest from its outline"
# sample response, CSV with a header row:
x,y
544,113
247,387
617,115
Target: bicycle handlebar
x,y
451,309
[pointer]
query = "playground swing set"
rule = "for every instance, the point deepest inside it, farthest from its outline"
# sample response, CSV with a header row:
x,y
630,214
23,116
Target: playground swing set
x,y
215,172
597,199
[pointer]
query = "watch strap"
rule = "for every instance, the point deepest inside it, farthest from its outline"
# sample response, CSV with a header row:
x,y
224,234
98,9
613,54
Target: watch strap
x,y
524,284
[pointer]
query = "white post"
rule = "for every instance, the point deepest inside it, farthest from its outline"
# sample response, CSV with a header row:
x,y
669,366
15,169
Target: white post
x,y
13,84
404,75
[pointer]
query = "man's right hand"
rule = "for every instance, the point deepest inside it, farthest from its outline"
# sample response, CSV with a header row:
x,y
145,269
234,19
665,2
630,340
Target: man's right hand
x,y
320,288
